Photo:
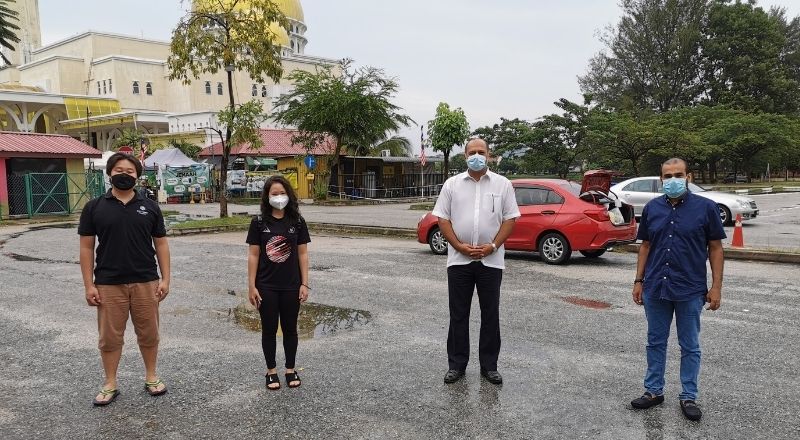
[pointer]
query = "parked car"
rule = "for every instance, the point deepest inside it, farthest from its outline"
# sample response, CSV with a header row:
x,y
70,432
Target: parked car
x,y
734,178
558,217
640,190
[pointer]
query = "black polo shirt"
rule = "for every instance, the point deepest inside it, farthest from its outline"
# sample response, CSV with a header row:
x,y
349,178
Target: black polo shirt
x,y
125,253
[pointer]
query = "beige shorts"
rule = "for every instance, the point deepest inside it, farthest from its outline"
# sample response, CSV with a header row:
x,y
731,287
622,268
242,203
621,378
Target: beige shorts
x,y
139,300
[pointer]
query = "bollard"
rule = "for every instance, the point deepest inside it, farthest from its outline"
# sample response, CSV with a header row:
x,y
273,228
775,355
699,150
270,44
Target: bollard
x,y
738,238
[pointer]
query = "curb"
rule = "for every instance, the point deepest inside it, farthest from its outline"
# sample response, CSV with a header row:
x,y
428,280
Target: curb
x,y
739,254
313,226
380,231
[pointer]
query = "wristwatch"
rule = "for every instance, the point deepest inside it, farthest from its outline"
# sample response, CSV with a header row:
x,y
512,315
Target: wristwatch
x,y
494,248
638,280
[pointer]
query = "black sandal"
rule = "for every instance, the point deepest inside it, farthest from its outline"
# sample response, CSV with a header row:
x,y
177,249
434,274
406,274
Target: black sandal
x,y
293,377
271,379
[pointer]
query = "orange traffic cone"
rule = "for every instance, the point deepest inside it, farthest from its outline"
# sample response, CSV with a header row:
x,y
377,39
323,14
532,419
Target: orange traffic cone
x,y
738,238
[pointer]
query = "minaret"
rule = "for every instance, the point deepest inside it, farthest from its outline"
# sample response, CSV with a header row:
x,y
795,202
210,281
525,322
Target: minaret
x,y
29,33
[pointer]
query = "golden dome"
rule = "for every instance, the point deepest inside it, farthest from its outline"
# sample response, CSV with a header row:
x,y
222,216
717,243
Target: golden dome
x,y
292,9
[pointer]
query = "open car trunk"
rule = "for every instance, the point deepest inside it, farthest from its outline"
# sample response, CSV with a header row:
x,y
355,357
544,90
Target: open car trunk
x,y
596,189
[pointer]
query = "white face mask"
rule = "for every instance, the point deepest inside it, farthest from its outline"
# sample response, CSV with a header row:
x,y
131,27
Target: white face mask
x,y
279,202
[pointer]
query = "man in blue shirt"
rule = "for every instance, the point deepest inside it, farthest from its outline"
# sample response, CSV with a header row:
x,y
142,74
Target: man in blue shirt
x,y
680,232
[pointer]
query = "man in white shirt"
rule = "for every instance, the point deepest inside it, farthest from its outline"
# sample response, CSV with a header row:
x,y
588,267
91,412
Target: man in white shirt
x,y
477,210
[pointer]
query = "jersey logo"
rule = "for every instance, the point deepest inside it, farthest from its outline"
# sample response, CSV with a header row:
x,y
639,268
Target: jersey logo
x,y
142,210
292,230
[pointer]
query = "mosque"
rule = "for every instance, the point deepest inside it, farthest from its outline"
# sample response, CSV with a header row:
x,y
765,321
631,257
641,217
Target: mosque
x,y
93,85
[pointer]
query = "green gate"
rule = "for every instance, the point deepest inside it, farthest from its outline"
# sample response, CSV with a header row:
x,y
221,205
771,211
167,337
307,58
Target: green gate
x,y
54,193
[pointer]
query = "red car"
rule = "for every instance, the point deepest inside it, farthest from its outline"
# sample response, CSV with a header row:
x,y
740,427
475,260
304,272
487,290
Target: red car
x,y
558,217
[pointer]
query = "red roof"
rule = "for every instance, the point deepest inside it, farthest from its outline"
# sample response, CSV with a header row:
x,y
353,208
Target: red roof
x,y
277,143
14,144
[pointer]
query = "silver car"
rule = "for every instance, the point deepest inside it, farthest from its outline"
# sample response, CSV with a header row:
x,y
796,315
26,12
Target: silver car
x,y
640,190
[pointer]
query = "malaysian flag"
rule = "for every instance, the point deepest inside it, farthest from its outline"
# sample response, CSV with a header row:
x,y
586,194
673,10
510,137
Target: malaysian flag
x,y
422,159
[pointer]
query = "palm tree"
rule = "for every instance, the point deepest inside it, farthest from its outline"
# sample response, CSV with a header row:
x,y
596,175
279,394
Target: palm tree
x,y
398,146
7,27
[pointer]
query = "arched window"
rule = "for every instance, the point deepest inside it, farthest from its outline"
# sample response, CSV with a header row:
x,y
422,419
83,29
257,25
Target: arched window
x,y
255,90
219,88
263,91
149,88
136,87
208,87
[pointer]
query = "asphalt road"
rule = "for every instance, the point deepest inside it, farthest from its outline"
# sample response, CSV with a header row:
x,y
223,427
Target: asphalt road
x,y
777,227
570,370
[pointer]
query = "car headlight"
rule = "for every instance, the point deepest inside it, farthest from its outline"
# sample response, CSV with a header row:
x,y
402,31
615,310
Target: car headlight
x,y
743,203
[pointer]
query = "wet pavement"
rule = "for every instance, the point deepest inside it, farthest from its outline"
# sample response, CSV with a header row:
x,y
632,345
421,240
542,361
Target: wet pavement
x,y
572,357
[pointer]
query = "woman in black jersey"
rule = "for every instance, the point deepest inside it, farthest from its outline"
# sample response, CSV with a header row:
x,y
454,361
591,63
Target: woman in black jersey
x,y
277,271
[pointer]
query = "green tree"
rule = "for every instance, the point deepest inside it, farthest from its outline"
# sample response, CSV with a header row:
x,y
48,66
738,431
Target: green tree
x,y
748,59
398,146
8,27
561,139
448,129
189,149
244,123
353,106
130,138
509,138
232,36
652,57
744,136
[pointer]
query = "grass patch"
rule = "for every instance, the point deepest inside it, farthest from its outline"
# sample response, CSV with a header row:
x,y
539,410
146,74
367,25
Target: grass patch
x,y
239,220
169,212
245,201
422,207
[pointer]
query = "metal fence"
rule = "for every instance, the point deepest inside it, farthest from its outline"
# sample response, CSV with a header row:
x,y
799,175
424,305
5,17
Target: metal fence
x,y
369,185
36,194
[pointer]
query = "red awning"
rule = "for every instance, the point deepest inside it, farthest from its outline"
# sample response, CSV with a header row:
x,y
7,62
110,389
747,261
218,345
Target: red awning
x,y
13,144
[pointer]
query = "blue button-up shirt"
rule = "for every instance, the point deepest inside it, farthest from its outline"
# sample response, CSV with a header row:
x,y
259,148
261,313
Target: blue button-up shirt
x,y
679,237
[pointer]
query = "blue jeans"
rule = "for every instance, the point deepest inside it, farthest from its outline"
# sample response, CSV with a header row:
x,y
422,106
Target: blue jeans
x,y
659,320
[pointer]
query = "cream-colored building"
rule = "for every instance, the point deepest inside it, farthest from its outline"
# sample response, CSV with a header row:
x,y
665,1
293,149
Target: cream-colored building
x,y
95,84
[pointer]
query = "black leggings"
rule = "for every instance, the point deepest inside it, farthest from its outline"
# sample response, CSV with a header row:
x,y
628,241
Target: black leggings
x,y
283,305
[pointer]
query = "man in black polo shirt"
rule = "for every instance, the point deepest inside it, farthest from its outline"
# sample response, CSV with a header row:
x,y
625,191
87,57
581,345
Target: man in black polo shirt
x,y
680,231
131,234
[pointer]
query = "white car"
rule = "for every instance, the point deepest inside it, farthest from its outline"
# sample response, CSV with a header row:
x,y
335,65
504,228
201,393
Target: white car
x,y
640,190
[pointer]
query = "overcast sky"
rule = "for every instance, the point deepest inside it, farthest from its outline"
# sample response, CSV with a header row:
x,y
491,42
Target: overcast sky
x,y
499,58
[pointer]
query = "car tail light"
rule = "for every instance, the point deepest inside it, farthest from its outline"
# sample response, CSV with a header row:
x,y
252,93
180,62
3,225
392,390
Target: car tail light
x,y
600,216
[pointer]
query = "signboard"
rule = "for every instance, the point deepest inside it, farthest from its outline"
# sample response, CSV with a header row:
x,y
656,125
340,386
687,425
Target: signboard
x,y
125,149
310,162
180,181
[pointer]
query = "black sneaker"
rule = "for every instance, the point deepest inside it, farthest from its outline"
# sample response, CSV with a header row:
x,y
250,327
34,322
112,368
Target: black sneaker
x,y
648,400
492,376
453,376
690,410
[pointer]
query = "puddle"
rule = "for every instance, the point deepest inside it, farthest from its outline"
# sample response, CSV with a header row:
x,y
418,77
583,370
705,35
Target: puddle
x,y
318,268
315,320
19,257
176,219
590,303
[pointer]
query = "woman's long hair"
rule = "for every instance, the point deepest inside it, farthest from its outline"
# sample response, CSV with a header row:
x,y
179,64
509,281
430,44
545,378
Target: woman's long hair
x,y
291,211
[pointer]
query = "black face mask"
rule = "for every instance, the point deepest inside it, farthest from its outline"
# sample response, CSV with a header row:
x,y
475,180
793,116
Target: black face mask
x,y
123,181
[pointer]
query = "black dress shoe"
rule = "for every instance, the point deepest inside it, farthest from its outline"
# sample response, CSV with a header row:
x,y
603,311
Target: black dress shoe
x,y
690,410
648,400
492,376
453,376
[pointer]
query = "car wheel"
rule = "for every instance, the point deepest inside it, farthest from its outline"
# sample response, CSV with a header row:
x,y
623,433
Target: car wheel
x,y
593,254
437,242
725,215
554,248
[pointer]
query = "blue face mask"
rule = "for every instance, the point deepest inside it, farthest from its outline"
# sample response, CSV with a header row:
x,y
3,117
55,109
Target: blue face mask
x,y
476,162
675,187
